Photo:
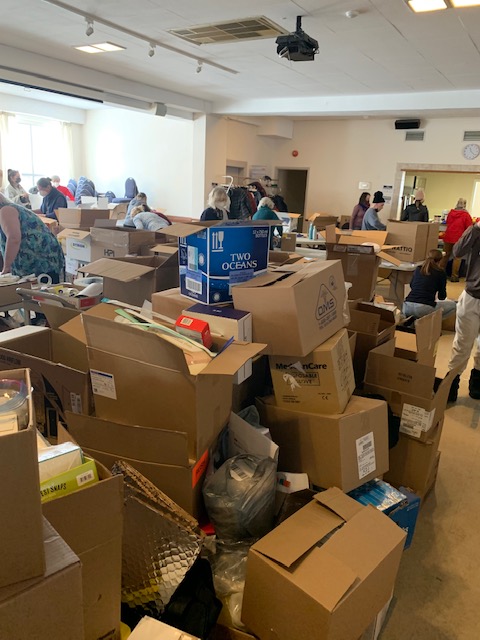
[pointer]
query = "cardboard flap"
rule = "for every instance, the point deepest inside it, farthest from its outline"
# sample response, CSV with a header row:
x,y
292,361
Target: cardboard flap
x,y
298,534
265,280
233,358
116,269
341,248
338,502
379,237
181,229
428,330
164,249
79,234
330,234
325,578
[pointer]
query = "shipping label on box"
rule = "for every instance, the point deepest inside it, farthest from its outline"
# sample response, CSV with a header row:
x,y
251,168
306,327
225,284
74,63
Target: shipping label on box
x,y
214,260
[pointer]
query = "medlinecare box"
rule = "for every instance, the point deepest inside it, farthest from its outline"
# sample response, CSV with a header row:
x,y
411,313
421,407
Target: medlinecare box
x,y
214,259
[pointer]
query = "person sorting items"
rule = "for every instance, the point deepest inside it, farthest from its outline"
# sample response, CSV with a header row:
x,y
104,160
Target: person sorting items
x,y
371,221
27,245
52,198
144,218
265,212
458,221
417,211
14,190
218,205
428,281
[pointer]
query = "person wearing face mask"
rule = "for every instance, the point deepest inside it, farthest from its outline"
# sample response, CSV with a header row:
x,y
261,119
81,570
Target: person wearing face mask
x,y
218,205
371,221
65,190
14,190
416,212
52,198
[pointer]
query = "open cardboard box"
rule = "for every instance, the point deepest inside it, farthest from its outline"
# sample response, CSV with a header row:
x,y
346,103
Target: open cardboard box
x,y
90,521
80,218
119,242
333,564
322,220
413,240
420,342
76,244
356,238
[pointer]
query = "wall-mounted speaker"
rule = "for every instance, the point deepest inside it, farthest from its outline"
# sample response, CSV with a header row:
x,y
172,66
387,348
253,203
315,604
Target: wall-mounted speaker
x,y
407,124
160,109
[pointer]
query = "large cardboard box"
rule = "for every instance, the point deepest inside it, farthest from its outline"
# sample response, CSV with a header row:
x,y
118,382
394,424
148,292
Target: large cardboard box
x,y
325,572
9,295
373,326
322,382
58,363
134,280
49,606
343,450
21,535
119,242
420,343
213,260
413,463
295,308
413,239
90,521
169,303
411,389
140,378
360,267
76,244
223,320
80,218
162,456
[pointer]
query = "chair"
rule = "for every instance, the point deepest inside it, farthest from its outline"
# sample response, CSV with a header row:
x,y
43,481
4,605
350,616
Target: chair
x,y
130,191
72,186
85,187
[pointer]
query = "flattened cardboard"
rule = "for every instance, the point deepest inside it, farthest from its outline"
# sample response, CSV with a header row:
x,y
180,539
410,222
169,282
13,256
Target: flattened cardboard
x,y
22,553
91,522
26,609
296,310
326,446
335,588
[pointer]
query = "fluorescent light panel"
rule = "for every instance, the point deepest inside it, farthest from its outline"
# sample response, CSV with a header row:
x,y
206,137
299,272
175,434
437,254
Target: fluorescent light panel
x,y
465,3
420,6
102,47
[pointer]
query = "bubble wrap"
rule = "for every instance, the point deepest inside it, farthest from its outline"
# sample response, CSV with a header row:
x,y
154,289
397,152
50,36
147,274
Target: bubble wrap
x,y
160,543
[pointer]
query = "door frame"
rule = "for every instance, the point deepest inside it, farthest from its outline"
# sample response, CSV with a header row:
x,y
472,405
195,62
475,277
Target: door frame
x,y
307,169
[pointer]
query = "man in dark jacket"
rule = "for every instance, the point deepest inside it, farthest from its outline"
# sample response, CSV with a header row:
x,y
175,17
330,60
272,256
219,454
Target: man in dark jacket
x,y
52,198
416,212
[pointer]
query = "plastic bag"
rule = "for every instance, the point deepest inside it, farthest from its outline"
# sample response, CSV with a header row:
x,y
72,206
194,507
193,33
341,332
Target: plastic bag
x,y
240,497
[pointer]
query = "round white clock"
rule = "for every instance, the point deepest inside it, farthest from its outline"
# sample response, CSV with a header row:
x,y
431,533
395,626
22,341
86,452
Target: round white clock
x,y
471,151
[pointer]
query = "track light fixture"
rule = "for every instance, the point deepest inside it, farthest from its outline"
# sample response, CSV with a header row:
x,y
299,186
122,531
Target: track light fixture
x,y
89,30
151,51
199,66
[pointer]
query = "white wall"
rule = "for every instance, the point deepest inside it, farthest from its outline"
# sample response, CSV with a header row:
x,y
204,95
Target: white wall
x,y
157,152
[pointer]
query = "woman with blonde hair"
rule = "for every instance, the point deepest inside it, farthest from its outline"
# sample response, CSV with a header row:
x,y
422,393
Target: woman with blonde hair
x,y
429,282
218,205
144,218
458,220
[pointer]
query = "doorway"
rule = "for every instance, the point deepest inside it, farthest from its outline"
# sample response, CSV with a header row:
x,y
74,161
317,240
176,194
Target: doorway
x,y
293,188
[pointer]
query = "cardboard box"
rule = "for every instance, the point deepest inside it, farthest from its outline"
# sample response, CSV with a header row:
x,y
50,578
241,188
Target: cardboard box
x,y
322,382
420,342
90,521
322,220
373,326
139,378
375,628
134,280
80,218
58,363
214,260
334,588
433,236
360,268
76,244
220,632
9,295
411,389
343,450
288,242
295,308
280,258
118,211
151,629
413,463
21,551
119,242
224,320
169,303
49,606
413,239
406,516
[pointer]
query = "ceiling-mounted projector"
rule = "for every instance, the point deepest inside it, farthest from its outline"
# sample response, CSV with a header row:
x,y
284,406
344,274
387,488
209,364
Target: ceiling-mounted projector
x,y
297,46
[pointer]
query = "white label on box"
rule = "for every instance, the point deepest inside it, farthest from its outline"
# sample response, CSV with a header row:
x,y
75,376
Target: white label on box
x,y
83,478
193,285
103,384
415,420
366,455
76,403
241,470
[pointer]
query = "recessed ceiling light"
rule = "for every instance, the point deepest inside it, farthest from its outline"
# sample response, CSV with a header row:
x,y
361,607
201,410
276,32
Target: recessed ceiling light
x,y
102,47
419,6
465,3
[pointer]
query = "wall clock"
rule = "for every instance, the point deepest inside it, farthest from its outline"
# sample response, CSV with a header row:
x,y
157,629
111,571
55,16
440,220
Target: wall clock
x,y
471,151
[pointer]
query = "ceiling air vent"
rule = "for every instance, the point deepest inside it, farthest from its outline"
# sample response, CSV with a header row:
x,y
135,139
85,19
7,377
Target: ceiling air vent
x,y
414,136
468,136
230,31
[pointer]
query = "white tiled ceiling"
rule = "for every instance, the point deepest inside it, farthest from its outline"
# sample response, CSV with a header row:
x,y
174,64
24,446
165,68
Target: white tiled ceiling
x,y
386,49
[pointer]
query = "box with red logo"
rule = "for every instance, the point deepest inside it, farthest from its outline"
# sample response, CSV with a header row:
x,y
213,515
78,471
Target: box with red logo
x,y
194,328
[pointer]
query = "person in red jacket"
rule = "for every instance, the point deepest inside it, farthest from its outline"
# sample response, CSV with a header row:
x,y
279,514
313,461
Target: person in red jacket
x,y
458,220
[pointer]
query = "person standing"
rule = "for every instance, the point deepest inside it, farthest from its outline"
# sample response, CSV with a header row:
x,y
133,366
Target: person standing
x,y
265,212
458,221
467,325
416,212
14,190
52,198
371,221
218,205
359,211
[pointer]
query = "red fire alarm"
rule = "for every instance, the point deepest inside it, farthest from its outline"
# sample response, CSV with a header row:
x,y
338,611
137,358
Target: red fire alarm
x,y
294,153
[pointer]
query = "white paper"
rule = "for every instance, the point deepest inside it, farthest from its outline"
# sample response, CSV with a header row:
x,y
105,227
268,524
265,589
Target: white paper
x,y
76,402
103,384
366,455
241,470
243,438
415,420
150,629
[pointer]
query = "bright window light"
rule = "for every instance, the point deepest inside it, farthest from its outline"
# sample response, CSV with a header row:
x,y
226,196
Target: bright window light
x,y
102,47
465,3
419,6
